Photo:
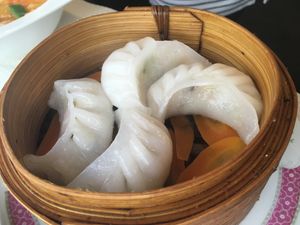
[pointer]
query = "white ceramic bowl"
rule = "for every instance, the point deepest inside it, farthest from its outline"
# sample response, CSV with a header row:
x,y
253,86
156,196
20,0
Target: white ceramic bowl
x,y
18,37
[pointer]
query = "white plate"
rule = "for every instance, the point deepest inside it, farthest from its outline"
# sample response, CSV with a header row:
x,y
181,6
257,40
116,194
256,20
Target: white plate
x,y
18,37
268,198
76,10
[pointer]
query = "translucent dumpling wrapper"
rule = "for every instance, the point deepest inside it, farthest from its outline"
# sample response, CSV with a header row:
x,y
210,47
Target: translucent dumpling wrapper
x,y
138,159
129,71
220,92
86,118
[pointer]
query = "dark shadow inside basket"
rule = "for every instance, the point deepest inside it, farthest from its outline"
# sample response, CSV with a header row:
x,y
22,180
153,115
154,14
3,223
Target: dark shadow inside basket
x,y
78,50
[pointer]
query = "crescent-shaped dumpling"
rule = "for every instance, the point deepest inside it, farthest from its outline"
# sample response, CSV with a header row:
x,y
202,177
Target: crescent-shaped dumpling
x,y
129,71
86,118
220,92
138,159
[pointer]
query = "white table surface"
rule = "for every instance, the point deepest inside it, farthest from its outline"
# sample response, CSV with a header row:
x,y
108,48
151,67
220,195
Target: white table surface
x,y
78,9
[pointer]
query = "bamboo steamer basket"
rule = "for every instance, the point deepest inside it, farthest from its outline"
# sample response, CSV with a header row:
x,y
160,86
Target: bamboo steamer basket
x,y
222,196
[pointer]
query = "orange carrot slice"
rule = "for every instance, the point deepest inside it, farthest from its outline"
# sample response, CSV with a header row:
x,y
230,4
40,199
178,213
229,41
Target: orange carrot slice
x,y
177,165
50,137
212,157
95,76
184,136
212,130
52,133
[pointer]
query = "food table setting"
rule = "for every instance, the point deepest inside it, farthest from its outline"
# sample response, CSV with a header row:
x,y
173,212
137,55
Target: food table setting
x,y
278,202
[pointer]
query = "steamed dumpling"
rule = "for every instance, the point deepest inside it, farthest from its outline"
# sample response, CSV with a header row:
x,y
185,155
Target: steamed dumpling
x,y
128,72
220,92
138,159
86,119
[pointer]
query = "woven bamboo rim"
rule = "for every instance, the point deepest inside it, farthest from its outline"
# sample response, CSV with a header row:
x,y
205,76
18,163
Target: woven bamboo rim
x,y
204,200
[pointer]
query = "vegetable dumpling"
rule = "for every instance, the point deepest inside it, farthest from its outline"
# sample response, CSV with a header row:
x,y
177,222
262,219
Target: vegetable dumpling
x,y
138,159
86,119
129,71
220,92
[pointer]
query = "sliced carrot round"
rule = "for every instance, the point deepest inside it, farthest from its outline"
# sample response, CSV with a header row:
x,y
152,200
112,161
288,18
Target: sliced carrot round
x,y
95,76
212,157
177,165
212,130
184,136
50,137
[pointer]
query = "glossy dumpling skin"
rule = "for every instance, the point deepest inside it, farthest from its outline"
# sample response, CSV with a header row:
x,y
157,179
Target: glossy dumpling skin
x,y
86,118
138,159
129,71
220,92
